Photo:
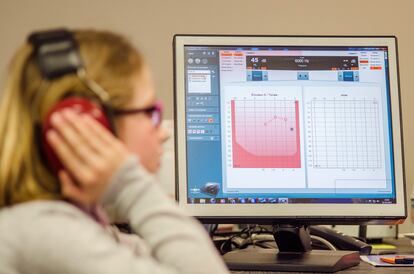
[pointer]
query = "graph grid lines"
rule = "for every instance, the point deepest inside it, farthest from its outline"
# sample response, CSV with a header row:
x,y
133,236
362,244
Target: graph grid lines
x,y
345,134
265,133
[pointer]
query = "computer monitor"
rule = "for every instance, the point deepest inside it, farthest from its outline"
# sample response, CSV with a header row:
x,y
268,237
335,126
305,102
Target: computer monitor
x,y
289,129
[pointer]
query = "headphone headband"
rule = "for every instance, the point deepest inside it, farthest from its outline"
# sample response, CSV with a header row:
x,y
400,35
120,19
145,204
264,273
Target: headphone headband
x,y
56,53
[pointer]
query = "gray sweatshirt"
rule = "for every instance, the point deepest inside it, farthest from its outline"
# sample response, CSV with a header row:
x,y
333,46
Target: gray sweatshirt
x,y
43,237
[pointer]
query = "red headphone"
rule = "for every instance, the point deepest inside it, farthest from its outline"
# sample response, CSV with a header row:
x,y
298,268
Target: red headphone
x,y
57,54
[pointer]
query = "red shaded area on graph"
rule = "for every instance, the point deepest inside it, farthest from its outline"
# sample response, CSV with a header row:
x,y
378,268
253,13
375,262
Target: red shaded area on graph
x,y
265,137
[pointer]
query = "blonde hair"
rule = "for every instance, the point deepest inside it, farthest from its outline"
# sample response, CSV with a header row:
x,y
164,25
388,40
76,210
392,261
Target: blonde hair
x,y
110,60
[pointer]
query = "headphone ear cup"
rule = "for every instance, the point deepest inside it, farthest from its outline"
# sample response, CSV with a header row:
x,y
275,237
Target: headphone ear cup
x,y
79,105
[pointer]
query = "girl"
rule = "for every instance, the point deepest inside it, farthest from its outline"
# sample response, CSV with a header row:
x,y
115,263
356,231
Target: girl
x,y
53,224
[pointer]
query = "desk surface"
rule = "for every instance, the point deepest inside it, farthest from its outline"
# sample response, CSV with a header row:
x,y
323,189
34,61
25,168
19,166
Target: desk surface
x,y
404,247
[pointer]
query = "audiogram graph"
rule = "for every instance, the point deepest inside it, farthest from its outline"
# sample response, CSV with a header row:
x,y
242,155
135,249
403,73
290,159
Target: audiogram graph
x,y
265,133
345,133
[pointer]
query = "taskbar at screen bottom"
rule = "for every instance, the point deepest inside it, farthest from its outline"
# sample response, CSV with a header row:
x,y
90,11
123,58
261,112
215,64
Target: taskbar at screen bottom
x,y
282,200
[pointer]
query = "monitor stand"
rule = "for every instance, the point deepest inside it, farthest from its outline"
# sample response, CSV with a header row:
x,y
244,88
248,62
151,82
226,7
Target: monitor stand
x,y
295,254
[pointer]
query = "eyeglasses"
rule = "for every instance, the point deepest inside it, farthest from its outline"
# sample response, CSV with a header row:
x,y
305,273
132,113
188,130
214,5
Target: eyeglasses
x,y
154,112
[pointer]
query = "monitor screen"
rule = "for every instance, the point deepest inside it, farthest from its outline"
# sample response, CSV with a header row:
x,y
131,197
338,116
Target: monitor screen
x,y
288,126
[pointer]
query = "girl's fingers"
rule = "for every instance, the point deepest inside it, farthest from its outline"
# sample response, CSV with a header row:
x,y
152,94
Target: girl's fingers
x,y
69,158
89,136
66,125
113,148
89,152
104,134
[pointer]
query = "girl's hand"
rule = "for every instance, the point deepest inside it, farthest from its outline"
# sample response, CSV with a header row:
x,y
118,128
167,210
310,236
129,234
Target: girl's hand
x,y
90,153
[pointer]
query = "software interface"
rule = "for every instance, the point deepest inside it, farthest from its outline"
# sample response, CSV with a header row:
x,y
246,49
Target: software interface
x,y
288,125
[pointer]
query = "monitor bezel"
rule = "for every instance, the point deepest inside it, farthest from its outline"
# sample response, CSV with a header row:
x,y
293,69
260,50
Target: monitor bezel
x,y
290,213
